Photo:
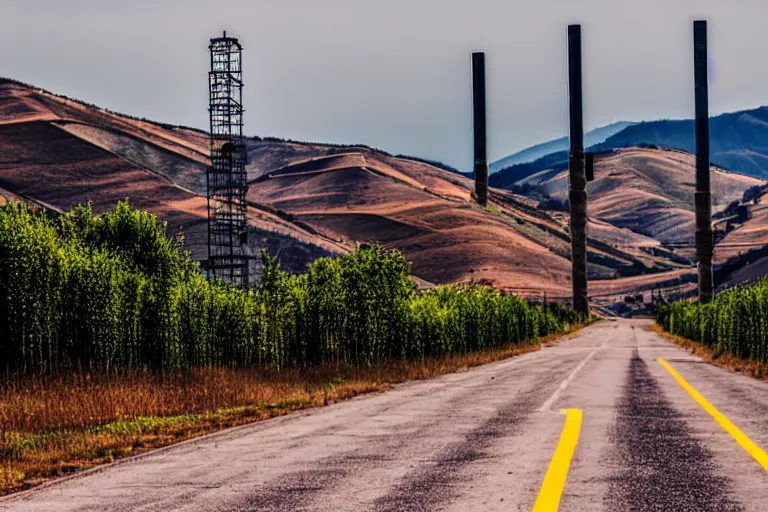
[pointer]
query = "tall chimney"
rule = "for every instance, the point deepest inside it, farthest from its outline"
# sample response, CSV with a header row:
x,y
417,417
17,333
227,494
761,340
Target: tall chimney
x,y
703,199
478,104
577,193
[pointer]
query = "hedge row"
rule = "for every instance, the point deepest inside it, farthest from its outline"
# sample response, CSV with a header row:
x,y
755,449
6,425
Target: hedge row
x,y
735,322
112,291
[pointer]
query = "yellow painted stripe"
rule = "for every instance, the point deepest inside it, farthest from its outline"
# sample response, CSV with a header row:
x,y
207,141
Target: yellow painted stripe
x,y
755,451
554,481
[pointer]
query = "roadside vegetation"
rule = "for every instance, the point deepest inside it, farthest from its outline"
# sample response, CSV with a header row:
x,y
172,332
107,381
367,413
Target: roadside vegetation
x,y
112,341
733,324
55,425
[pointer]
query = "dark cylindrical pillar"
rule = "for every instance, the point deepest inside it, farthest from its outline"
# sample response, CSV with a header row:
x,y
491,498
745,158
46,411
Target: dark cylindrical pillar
x,y
577,193
703,199
478,104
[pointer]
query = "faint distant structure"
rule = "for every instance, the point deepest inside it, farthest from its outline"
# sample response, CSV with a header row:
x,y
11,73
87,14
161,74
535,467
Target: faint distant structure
x,y
227,181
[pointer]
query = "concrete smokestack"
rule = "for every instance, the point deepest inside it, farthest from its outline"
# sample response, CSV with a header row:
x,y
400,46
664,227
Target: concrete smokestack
x,y
577,193
478,104
703,197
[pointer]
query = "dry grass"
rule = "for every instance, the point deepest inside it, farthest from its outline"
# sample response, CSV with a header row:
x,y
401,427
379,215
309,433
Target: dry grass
x,y
752,368
53,426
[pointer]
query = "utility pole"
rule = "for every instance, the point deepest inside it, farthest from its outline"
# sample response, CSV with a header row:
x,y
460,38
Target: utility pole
x,y
577,183
703,197
478,104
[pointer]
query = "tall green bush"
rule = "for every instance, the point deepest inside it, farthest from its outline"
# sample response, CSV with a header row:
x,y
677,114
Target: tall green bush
x,y
113,291
734,322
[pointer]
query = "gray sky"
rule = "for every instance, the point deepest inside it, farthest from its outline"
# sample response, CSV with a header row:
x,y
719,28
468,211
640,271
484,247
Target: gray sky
x,y
394,74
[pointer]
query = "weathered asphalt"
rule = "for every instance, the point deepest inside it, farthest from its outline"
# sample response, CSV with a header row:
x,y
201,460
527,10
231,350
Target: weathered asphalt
x,y
477,440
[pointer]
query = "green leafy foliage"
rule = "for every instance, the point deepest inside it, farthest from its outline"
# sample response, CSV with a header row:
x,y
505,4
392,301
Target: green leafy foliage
x,y
735,322
112,291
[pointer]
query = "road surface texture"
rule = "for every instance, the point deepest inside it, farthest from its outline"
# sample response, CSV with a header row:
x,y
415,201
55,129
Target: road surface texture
x,y
478,440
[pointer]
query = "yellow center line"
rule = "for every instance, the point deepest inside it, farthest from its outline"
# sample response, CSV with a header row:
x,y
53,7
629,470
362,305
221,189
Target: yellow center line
x,y
755,451
554,481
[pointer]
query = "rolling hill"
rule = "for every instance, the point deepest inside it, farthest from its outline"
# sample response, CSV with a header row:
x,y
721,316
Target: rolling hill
x,y
647,191
746,236
308,200
555,146
58,152
739,140
305,200
739,143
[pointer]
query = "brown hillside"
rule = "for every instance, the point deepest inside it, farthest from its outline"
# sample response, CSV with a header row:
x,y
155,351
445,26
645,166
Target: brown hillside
x,y
303,194
751,234
357,197
57,153
61,152
650,192
309,200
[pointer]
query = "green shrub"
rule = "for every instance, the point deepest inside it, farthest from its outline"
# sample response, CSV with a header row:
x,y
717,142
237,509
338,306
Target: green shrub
x,y
734,322
113,291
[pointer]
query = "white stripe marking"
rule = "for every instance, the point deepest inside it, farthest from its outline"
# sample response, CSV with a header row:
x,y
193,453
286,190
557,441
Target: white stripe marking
x,y
567,382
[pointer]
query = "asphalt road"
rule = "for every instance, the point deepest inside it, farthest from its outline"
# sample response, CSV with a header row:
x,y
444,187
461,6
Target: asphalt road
x,y
477,440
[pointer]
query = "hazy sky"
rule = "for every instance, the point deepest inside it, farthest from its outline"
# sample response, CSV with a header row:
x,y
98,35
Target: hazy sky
x,y
394,74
